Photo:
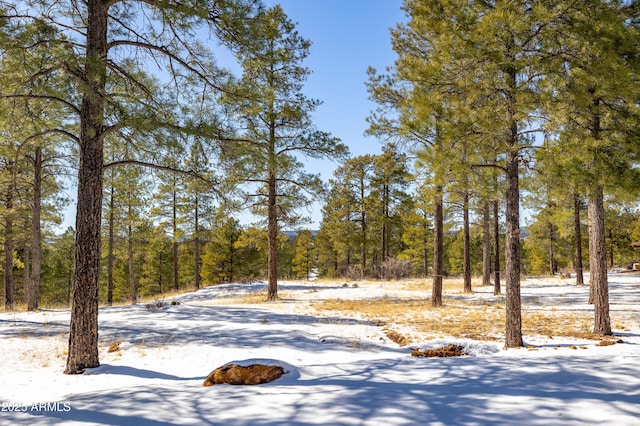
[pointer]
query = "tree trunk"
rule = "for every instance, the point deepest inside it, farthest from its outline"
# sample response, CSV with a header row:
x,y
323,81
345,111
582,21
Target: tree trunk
x,y
552,254
196,248
196,272
26,273
598,262
425,249
111,243
438,249
83,333
9,284
599,285
272,230
486,245
36,235
578,239
513,331
496,249
385,223
363,228
466,251
132,279
611,262
272,211
174,222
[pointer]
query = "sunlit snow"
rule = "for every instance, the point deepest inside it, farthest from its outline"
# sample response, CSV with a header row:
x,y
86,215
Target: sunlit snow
x,y
340,370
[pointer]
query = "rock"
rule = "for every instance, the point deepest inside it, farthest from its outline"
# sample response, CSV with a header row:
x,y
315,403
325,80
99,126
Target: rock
x,y
253,374
447,351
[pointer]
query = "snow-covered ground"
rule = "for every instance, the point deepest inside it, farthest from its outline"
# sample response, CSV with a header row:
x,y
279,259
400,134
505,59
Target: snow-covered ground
x,y
341,370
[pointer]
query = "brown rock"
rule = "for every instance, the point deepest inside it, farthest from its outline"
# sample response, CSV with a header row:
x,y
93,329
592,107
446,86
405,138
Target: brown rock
x,y
234,374
447,351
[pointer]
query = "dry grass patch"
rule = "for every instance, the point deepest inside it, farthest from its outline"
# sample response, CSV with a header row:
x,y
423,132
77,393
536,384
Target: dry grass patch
x,y
556,323
382,308
450,320
459,319
609,342
252,298
114,346
449,285
246,299
396,337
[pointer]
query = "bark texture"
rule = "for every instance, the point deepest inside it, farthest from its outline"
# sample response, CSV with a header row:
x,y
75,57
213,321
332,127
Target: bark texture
x,y
466,255
513,331
486,245
272,230
32,294
438,249
83,331
577,204
598,262
9,285
496,249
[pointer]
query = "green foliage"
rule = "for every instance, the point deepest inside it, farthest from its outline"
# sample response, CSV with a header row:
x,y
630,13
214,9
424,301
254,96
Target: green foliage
x,y
449,102
304,258
362,218
417,237
454,253
222,261
156,274
252,244
57,270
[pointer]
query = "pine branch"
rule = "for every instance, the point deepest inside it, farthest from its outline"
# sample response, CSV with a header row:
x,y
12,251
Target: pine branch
x,y
190,173
44,97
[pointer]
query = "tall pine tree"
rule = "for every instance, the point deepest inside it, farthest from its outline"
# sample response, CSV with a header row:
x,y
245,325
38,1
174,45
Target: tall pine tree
x,y
278,128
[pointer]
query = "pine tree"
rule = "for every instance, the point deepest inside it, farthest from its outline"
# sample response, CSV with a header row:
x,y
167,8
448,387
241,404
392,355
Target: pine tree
x,y
108,97
304,256
156,274
475,64
31,134
389,184
595,108
221,262
351,196
340,233
58,269
277,127
417,235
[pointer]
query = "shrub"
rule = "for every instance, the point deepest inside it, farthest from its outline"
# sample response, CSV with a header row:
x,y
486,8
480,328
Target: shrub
x,y
394,268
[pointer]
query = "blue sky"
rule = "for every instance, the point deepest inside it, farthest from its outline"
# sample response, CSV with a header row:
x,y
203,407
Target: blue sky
x,y
347,37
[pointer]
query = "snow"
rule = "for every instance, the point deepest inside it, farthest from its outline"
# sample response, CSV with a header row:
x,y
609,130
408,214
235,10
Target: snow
x,y
340,370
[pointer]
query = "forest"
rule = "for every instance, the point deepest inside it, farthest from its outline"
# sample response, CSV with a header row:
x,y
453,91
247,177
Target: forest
x,y
492,110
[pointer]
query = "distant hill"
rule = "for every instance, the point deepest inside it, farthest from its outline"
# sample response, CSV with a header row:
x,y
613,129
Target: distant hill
x,y
293,234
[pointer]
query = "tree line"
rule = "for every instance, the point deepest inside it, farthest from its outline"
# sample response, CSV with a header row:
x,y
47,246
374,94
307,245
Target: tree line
x,y
486,101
